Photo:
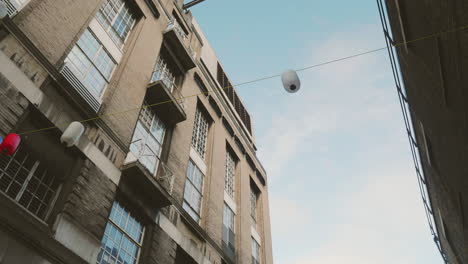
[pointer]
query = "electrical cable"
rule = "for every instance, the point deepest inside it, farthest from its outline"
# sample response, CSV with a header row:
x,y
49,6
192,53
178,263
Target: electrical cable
x,y
259,79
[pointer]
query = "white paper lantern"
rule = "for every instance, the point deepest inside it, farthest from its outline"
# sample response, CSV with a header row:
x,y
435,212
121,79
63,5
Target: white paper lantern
x,y
72,134
291,81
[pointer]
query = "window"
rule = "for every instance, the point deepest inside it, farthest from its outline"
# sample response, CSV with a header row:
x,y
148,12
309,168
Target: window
x,y
90,63
255,252
253,204
14,6
229,180
200,133
200,84
233,98
27,181
164,73
116,17
148,139
193,192
228,228
122,238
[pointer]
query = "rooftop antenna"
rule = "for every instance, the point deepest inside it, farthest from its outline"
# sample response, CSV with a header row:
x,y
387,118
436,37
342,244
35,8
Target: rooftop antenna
x,y
192,3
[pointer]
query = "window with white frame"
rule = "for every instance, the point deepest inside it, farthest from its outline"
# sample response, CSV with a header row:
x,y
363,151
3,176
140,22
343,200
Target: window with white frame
x,y
164,73
253,204
91,63
117,19
200,133
230,171
228,227
122,238
148,138
193,193
255,252
26,180
14,6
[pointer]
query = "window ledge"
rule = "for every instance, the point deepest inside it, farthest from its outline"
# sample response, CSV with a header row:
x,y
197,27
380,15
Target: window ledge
x,y
29,229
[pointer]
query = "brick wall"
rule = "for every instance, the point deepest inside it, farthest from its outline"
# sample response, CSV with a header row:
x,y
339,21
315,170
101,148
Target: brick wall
x,y
12,106
162,249
91,199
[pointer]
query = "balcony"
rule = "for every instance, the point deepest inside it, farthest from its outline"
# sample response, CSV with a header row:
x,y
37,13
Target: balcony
x,y
164,98
176,38
150,177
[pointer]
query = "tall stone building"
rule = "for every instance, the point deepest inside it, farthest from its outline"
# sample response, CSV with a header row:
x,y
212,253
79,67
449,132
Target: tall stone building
x,y
167,173
427,42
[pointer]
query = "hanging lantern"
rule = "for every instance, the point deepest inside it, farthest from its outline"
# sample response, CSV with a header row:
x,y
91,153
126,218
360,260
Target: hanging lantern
x,y
10,144
291,81
72,134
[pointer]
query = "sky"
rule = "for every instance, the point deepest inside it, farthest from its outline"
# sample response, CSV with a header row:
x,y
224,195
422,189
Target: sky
x,y
342,185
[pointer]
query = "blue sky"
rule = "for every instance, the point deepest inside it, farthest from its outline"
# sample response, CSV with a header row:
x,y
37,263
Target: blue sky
x,y
341,182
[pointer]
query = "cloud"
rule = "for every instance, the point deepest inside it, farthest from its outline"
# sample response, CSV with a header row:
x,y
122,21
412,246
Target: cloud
x,y
342,186
331,98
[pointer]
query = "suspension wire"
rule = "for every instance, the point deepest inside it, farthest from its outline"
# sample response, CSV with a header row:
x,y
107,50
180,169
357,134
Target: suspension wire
x,y
259,79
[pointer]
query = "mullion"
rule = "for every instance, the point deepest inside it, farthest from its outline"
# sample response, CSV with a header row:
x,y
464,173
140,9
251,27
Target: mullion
x,y
13,177
125,233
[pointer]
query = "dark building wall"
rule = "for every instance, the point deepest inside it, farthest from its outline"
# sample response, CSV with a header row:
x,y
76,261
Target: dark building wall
x,y
433,73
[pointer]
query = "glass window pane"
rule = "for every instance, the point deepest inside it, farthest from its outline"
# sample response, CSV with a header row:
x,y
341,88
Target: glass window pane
x,y
120,245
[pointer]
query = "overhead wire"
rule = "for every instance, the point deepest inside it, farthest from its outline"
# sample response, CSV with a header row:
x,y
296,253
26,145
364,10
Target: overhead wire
x,y
256,80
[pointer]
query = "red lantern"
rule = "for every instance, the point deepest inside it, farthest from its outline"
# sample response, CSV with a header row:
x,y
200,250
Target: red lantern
x,y
10,144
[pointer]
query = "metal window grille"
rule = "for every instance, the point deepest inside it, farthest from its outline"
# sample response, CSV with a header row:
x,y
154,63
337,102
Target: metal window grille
x,y
229,178
116,17
90,63
193,193
147,139
163,72
253,204
122,238
200,133
27,181
255,252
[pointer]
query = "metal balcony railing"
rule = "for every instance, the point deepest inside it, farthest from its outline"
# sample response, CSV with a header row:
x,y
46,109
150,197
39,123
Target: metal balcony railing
x,y
406,110
173,24
163,73
150,160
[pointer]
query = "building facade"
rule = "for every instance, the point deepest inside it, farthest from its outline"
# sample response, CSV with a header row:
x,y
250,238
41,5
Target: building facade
x,y
428,52
166,171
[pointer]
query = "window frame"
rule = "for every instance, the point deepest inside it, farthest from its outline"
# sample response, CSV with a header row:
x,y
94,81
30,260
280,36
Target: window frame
x,y
230,174
110,222
149,135
254,196
109,27
189,181
200,120
54,187
232,222
92,63
257,247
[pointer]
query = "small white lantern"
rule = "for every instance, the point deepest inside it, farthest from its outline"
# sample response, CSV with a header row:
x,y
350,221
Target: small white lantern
x,y
72,134
291,81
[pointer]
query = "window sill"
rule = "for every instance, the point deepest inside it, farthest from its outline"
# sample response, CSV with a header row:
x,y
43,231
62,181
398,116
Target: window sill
x,y
34,232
